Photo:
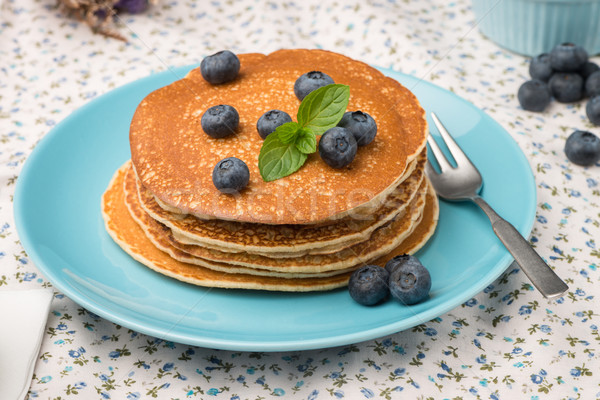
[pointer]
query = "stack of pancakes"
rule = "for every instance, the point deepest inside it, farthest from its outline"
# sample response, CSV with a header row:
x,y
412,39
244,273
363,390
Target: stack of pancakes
x,y
307,231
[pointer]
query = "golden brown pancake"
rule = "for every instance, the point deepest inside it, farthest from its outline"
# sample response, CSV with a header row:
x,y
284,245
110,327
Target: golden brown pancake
x,y
174,158
382,240
284,240
131,237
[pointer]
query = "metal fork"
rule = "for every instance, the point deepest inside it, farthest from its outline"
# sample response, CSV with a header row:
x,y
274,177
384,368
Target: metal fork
x,y
464,182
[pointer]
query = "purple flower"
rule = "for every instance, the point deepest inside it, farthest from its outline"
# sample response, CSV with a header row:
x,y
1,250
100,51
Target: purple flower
x,y
430,332
29,276
536,379
470,303
525,310
74,353
132,6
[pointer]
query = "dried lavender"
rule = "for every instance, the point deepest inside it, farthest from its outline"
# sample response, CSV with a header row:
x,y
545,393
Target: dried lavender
x,y
100,14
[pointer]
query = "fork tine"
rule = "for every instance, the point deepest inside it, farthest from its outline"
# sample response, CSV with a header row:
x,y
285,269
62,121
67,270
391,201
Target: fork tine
x,y
453,147
438,154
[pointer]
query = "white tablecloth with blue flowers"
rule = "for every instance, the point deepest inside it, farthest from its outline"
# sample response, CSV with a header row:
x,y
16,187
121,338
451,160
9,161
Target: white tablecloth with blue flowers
x,y
508,342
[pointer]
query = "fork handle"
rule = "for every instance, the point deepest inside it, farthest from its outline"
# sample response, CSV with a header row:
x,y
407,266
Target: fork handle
x,y
539,273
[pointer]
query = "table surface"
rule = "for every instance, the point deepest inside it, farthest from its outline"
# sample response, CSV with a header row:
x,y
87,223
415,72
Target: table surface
x,y
507,342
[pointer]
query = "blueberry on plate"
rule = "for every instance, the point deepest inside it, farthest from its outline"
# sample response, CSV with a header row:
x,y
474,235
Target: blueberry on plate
x,y
310,81
220,67
566,87
397,261
270,120
368,285
593,110
410,282
539,67
220,121
361,125
592,84
588,69
568,57
337,147
583,148
230,175
534,95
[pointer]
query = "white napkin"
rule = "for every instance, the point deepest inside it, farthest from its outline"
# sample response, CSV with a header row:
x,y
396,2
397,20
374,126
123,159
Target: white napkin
x,y
23,316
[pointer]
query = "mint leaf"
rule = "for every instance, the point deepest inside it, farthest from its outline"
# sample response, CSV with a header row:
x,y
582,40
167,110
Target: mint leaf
x,y
323,108
306,141
278,159
287,132
284,151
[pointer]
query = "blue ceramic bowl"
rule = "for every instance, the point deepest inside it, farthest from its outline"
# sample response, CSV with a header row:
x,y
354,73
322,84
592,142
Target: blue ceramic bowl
x,y
531,27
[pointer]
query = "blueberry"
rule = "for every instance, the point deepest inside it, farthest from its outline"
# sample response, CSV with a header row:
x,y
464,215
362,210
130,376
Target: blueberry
x,y
368,285
566,87
230,175
568,57
593,110
534,95
588,69
337,147
592,84
220,67
583,148
220,121
410,282
361,125
539,67
310,81
270,120
397,261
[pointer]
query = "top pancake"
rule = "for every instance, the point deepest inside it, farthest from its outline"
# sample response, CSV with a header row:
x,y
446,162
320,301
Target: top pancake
x,y
174,158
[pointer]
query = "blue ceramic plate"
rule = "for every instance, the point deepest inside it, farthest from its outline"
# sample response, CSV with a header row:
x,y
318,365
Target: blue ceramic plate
x,y
57,211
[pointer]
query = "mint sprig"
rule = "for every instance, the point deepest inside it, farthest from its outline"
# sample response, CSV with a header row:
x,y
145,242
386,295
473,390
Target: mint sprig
x,y
284,151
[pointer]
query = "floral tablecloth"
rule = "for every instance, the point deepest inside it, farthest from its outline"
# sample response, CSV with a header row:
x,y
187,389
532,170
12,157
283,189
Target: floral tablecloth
x,y
508,342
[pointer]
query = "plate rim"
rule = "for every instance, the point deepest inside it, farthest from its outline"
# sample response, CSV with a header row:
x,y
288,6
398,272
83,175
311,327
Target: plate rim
x,y
52,274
